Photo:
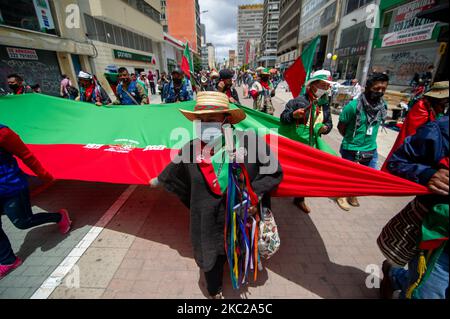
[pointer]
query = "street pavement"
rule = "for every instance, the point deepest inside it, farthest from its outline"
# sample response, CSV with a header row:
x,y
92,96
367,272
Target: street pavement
x,y
133,242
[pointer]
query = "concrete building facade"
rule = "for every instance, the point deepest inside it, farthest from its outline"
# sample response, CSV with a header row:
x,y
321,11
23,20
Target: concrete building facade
x,y
211,56
172,52
352,39
249,27
84,35
287,50
232,59
37,44
319,18
269,40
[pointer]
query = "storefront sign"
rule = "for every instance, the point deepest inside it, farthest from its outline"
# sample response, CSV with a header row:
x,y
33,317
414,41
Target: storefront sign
x,y
22,54
419,33
125,55
44,14
402,64
359,49
405,15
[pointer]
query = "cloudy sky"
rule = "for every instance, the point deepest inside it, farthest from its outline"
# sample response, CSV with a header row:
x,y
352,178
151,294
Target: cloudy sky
x,y
221,23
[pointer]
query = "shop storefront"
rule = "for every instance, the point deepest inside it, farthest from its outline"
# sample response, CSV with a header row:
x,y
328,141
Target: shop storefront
x,y
35,66
351,52
318,17
135,63
406,44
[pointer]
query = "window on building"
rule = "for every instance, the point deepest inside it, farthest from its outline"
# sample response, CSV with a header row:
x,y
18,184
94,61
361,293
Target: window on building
x,y
386,22
352,5
144,8
26,14
105,32
357,34
110,38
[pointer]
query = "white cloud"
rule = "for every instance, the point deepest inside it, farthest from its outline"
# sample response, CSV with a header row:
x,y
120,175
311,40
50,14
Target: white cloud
x,y
221,23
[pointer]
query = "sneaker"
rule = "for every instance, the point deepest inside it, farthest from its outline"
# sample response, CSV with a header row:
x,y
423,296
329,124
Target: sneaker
x,y
343,204
301,204
6,269
353,201
64,224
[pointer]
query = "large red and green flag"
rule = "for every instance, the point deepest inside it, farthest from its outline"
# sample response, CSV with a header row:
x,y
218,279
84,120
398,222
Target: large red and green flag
x,y
131,145
186,61
299,72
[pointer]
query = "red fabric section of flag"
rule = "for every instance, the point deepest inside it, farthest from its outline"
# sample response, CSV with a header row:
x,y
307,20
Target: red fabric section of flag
x,y
432,244
185,67
295,77
312,173
306,171
419,114
107,164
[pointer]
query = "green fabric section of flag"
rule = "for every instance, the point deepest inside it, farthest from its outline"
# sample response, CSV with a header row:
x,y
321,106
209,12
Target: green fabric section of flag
x,y
308,59
187,58
221,164
45,120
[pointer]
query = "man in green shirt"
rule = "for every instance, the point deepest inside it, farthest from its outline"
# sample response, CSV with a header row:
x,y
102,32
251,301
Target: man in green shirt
x,y
359,123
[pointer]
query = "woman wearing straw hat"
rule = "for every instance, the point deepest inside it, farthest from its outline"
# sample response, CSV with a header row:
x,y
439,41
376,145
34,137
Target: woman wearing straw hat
x,y
430,107
196,179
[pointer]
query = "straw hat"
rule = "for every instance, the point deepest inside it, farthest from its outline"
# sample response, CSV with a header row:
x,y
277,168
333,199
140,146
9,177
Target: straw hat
x,y
209,102
214,74
439,90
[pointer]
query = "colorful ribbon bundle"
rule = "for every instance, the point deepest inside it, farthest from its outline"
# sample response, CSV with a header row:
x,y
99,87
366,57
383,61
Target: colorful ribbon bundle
x,y
241,229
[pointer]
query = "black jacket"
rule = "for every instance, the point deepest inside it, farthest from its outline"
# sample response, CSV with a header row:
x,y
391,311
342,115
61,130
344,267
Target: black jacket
x,y
234,93
302,102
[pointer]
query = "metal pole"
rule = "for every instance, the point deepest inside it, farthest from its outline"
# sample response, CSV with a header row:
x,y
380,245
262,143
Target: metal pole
x,y
370,45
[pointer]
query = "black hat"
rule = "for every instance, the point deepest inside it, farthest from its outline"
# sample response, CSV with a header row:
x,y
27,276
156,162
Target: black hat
x,y
177,70
226,74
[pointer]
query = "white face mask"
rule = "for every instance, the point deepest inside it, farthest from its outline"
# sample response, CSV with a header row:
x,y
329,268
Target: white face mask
x,y
210,131
320,92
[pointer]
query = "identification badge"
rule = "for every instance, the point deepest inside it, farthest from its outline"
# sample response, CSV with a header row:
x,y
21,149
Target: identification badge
x,y
369,131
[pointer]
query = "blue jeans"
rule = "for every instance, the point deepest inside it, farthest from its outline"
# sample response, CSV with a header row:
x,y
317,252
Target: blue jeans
x,y
436,285
349,155
18,210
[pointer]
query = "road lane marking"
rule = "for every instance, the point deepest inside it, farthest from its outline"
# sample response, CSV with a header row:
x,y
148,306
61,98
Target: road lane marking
x,y
56,278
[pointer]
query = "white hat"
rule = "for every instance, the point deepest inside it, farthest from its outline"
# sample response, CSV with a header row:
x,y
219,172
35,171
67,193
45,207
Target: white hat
x,y
320,75
84,75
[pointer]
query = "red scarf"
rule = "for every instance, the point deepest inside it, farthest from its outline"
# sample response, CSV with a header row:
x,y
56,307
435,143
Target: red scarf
x,y
265,85
88,92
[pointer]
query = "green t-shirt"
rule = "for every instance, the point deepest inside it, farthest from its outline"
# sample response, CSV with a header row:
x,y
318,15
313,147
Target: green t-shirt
x,y
365,138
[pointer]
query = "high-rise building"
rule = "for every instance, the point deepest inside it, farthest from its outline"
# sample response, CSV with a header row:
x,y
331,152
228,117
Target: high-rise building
x,y
205,57
250,24
211,56
269,40
181,19
202,34
204,48
232,61
288,32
